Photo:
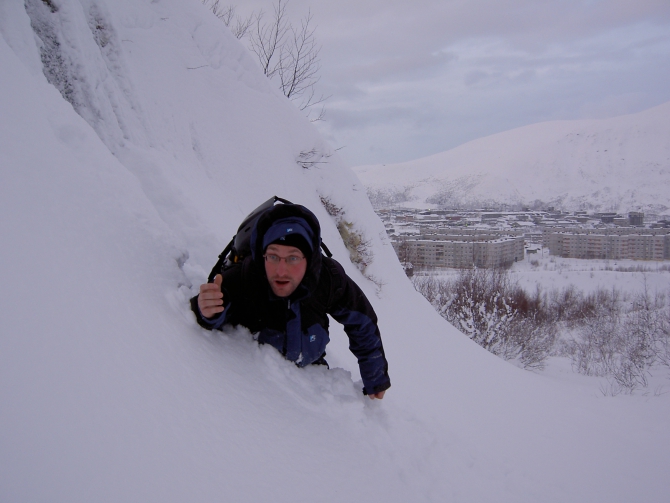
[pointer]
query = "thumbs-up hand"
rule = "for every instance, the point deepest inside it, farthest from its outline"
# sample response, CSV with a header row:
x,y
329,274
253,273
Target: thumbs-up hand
x,y
210,300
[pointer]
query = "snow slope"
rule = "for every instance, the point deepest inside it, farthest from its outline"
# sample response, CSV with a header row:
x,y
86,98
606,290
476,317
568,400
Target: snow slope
x,y
620,164
115,203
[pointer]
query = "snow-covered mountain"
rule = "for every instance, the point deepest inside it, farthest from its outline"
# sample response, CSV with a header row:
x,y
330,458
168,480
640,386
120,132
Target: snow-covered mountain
x,y
619,164
134,137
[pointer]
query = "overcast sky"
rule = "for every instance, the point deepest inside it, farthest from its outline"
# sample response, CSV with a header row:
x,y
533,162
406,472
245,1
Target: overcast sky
x,y
409,79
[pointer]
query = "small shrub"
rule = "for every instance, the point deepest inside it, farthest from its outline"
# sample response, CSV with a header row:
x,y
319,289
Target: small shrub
x,y
359,248
360,251
497,315
620,342
612,335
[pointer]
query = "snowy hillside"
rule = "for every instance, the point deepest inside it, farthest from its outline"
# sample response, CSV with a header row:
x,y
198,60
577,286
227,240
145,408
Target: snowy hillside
x,y
620,164
134,137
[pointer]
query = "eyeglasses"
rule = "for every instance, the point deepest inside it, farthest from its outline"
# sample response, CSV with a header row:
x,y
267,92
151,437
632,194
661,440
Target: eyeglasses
x,y
276,259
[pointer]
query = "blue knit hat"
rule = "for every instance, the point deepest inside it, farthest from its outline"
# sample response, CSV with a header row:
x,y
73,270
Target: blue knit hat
x,y
292,231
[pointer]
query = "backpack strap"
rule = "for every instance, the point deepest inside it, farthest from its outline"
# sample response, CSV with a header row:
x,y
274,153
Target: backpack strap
x,y
218,267
325,249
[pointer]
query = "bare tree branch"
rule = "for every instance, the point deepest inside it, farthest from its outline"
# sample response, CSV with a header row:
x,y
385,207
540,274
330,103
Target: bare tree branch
x,y
268,39
286,54
239,26
301,64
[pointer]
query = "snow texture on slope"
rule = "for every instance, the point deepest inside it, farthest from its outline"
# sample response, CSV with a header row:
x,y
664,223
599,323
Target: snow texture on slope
x,y
134,137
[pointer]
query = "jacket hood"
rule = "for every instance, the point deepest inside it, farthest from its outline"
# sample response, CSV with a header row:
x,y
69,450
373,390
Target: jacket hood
x,y
303,217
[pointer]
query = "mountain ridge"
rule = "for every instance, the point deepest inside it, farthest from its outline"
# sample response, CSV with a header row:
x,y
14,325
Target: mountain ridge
x,y
619,164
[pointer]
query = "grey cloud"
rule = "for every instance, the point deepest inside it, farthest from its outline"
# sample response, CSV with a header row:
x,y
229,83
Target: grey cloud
x,y
414,78
475,76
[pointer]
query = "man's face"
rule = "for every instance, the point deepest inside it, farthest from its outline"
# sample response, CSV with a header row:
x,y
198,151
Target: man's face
x,y
285,275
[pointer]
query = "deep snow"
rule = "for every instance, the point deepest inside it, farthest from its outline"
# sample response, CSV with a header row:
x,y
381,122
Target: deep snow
x,y
112,216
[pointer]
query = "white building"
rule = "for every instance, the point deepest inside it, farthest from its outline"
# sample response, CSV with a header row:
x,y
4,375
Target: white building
x,y
461,251
615,244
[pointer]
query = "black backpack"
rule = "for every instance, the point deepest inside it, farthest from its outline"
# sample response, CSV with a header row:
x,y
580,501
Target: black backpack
x,y
239,247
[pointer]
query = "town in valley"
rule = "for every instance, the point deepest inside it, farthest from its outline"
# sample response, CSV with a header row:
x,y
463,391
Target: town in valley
x,y
430,239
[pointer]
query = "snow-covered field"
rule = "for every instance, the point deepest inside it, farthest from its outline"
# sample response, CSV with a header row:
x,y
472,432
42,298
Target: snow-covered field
x,y
550,272
116,202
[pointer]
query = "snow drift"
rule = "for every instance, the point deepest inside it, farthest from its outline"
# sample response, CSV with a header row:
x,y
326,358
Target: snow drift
x,y
134,137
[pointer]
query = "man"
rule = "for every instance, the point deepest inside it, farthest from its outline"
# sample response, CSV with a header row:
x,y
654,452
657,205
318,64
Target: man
x,y
284,291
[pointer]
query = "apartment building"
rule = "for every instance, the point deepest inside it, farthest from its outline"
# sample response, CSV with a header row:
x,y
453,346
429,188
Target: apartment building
x,y
460,251
615,244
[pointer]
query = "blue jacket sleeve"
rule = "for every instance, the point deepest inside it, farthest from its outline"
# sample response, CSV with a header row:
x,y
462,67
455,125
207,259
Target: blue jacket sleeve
x,y
351,308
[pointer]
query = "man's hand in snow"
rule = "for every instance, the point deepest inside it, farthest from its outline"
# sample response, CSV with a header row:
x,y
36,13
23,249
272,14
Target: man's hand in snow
x,y
210,300
379,395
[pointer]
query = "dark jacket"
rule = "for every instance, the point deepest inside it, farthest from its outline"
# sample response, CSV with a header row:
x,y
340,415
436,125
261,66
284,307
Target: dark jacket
x,y
297,326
